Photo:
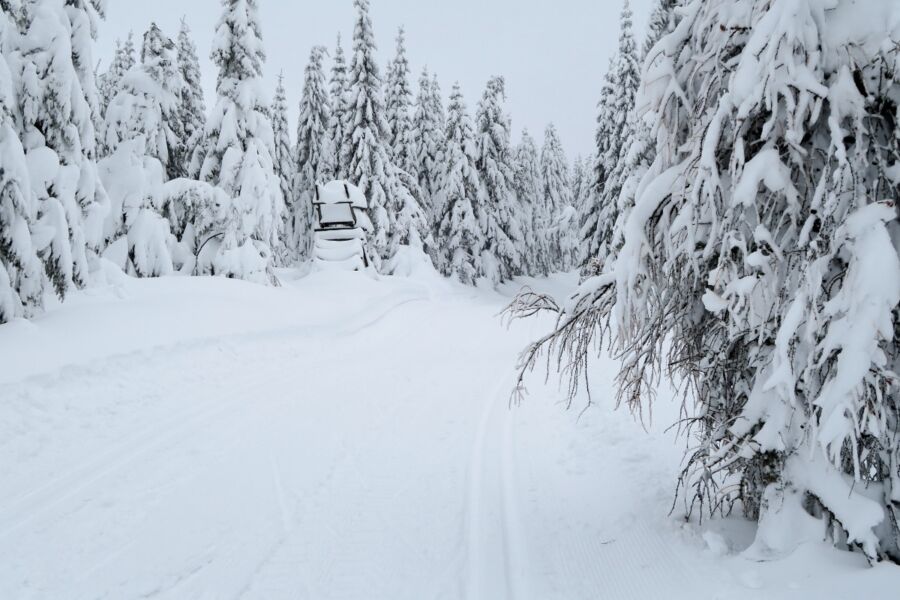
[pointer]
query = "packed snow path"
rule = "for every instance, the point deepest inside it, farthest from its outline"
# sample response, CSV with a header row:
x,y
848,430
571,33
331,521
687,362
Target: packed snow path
x,y
338,438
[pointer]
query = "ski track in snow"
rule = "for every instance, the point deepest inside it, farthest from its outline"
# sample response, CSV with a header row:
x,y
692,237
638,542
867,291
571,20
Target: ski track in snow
x,y
365,452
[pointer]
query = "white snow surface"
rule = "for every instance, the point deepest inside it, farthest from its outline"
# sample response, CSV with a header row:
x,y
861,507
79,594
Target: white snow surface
x,y
343,437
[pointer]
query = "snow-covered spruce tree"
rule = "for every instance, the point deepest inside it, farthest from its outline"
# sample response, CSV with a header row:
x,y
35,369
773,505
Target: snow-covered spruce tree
x,y
460,233
283,162
494,161
365,150
140,134
428,146
122,62
590,213
337,121
557,200
529,189
758,268
410,232
313,155
22,281
191,105
621,131
397,110
57,95
238,149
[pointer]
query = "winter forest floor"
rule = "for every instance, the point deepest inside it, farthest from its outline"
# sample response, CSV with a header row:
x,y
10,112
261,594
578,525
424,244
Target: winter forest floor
x,y
341,438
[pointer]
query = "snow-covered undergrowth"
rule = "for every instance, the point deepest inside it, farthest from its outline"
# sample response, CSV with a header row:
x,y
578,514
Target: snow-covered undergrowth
x,y
342,437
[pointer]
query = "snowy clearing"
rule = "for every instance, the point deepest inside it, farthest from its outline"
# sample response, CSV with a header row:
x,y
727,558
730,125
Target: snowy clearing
x,y
205,439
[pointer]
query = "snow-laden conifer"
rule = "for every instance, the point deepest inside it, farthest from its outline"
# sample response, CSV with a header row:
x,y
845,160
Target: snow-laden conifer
x,y
337,121
312,154
397,110
494,161
144,153
529,189
558,205
191,104
238,148
58,103
428,145
460,232
365,150
22,281
590,211
122,62
283,162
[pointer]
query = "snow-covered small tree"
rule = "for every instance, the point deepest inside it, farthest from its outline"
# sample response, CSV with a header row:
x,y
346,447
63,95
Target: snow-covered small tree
x,y
313,155
494,161
428,145
56,90
239,146
529,189
557,197
460,232
191,105
340,111
22,281
365,148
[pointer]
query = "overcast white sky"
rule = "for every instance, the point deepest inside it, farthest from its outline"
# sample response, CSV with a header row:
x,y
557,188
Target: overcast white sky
x,y
552,52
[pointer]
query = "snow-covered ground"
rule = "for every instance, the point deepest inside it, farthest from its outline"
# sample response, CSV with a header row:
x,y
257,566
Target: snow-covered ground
x,y
341,438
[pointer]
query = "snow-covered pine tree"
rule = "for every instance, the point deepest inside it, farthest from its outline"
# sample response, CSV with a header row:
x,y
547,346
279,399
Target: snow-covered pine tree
x,y
558,205
22,280
494,161
239,146
340,110
590,214
758,267
122,62
397,110
140,129
460,233
56,88
428,146
529,189
622,128
365,150
313,155
283,162
191,105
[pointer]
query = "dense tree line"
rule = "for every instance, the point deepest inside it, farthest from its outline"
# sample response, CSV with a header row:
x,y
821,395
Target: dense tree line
x,y
127,166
